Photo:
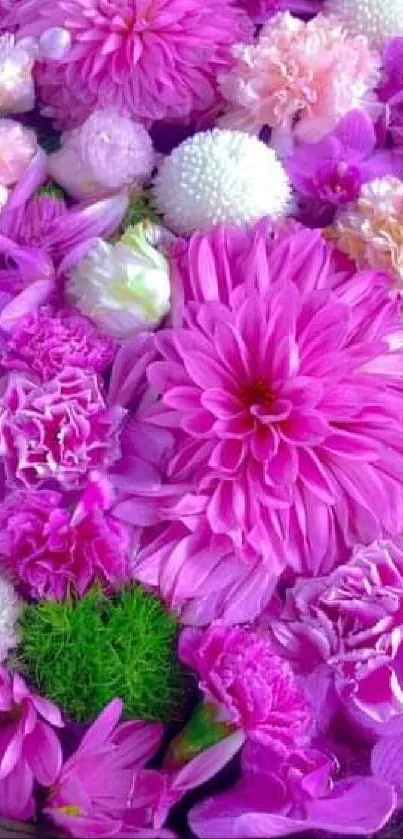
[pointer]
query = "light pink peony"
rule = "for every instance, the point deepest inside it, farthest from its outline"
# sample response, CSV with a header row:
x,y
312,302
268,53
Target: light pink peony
x,y
107,153
254,689
46,341
18,147
148,59
286,445
103,789
299,75
51,550
59,430
352,621
30,750
298,794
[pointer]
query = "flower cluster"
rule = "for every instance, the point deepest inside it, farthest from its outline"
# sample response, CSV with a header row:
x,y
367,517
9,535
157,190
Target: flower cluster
x,y
201,424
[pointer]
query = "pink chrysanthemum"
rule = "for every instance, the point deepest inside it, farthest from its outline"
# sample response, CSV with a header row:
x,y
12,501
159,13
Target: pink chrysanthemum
x,y
45,342
352,621
286,442
150,59
253,687
59,430
50,552
303,74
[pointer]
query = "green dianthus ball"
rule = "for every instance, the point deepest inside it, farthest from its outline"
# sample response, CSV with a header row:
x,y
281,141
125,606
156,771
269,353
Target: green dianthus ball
x,y
83,653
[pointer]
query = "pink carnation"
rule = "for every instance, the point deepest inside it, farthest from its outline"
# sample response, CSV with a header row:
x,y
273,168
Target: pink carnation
x,y
353,621
303,74
30,750
254,689
285,444
51,550
59,430
149,59
45,342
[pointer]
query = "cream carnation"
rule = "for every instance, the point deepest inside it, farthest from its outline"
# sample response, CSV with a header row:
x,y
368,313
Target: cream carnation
x,y
370,231
10,610
124,287
379,20
220,177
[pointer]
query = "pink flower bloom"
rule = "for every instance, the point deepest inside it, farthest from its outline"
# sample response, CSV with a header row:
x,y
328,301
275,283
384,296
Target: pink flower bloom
x,y
278,796
387,757
285,444
17,92
29,749
52,551
253,687
353,621
18,147
150,60
59,430
96,790
306,75
45,342
41,228
105,154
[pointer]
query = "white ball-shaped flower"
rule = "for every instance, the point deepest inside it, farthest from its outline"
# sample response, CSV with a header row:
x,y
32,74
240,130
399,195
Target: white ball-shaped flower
x,y
124,287
10,611
220,177
379,20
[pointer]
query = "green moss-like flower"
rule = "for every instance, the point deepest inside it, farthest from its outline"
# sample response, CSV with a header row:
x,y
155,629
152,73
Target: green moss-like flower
x,y
83,653
139,209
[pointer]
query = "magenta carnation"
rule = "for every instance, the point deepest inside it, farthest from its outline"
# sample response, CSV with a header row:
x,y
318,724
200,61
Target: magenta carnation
x,y
51,550
58,430
287,444
352,620
149,59
253,687
45,342
30,749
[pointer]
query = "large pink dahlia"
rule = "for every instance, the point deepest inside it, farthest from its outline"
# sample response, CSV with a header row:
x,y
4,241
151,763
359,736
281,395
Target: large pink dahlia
x,y
151,59
285,408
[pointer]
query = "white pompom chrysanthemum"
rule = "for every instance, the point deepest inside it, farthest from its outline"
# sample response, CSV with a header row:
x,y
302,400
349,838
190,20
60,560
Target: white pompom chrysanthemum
x,y
379,20
220,177
10,610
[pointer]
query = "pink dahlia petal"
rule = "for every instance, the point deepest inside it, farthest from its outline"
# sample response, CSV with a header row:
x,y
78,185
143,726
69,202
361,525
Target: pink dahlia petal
x,y
16,793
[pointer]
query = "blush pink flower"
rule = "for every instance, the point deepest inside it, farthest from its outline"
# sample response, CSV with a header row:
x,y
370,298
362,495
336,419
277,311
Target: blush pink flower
x,y
45,342
51,550
59,430
352,621
107,153
17,93
286,445
18,147
30,750
302,75
277,796
103,785
148,59
254,688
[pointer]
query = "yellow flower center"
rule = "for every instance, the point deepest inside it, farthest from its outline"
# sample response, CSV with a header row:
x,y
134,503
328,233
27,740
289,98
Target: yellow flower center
x,y
70,810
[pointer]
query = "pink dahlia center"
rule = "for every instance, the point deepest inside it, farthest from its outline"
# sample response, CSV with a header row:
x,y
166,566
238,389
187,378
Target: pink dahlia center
x,y
257,392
